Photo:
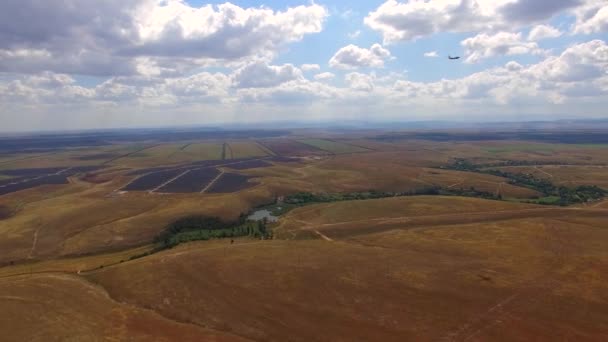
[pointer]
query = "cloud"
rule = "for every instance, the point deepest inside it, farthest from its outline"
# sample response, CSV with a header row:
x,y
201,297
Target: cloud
x,y
201,85
352,57
46,87
354,35
591,18
224,31
503,43
431,54
529,11
359,81
414,19
582,66
262,75
300,93
417,18
574,82
513,66
581,62
113,37
325,76
541,32
310,67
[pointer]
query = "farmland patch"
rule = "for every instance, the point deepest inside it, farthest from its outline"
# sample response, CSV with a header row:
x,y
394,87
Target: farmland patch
x,y
152,180
250,165
30,178
203,151
98,156
246,149
333,146
285,147
193,181
31,183
32,172
231,182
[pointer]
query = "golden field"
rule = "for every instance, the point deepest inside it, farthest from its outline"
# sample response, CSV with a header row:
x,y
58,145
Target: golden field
x,y
407,268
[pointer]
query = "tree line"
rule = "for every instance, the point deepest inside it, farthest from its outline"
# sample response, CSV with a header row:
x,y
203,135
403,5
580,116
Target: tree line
x,y
564,195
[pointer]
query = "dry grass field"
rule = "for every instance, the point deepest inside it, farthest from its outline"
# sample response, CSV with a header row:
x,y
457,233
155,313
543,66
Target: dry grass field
x,y
411,268
64,307
332,146
199,151
246,149
532,278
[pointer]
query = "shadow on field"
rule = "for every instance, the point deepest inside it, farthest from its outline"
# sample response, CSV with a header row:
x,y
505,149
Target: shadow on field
x,y
5,212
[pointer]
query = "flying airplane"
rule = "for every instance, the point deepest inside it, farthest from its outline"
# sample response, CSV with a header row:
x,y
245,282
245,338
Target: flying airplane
x,y
450,57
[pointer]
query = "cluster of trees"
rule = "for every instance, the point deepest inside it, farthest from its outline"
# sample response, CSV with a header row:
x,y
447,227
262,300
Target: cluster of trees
x,y
462,165
524,163
303,198
472,192
564,196
195,228
581,194
521,179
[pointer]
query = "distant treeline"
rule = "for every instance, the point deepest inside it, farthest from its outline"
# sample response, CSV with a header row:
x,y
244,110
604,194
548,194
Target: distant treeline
x,y
563,195
303,198
562,137
526,163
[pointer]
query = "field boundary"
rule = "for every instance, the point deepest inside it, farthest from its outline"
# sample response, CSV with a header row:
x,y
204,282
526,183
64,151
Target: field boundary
x,y
213,181
171,180
128,154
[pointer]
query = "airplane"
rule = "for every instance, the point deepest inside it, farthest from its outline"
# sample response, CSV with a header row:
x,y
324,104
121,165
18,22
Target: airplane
x,y
450,57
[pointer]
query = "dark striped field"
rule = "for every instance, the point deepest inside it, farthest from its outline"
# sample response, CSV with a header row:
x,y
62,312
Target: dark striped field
x,y
193,181
231,182
32,172
249,165
152,180
23,183
30,178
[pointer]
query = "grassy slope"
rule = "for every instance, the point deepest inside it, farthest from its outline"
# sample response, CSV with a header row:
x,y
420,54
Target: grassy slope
x,y
80,218
63,307
417,284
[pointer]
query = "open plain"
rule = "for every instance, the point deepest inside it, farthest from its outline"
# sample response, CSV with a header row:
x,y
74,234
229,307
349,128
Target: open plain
x,y
391,236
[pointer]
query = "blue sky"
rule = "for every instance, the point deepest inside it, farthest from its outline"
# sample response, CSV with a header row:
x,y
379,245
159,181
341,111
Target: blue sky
x,y
177,62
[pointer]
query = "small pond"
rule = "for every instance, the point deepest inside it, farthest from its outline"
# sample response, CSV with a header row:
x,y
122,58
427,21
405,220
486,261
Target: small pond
x,y
261,214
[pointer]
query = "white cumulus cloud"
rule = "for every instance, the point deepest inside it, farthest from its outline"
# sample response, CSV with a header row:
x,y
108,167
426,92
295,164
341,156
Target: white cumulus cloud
x,y
113,37
592,17
540,32
262,75
352,57
359,81
414,19
325,76
503,43
310,67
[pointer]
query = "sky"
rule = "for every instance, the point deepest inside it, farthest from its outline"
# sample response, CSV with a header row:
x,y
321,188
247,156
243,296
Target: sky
x,y
78,64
